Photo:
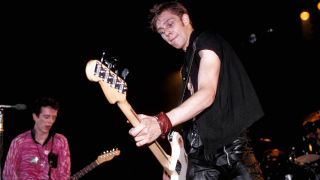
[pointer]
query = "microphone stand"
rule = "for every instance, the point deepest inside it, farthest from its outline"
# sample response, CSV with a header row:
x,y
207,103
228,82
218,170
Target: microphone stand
x,y
1,140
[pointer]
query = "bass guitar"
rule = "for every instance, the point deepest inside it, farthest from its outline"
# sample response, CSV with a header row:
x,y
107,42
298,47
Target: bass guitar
x,y
115,89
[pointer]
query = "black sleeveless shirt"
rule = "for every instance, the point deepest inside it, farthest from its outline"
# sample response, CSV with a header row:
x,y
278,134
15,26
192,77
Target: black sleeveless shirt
x,y
236,105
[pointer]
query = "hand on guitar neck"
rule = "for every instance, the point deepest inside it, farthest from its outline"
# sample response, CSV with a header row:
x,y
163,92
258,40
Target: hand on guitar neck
x,y
115,89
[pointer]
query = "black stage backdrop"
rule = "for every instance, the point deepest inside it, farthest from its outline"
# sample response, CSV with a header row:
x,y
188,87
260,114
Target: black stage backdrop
x,y
45,48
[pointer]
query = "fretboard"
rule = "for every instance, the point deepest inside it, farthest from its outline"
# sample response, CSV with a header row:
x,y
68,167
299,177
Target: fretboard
x,y
84,171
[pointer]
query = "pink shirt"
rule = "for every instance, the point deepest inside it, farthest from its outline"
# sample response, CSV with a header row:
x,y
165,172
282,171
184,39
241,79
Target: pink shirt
x,y
27,159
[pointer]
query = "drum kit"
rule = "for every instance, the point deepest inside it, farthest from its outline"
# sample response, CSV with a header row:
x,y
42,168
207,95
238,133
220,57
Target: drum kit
x,y
302,161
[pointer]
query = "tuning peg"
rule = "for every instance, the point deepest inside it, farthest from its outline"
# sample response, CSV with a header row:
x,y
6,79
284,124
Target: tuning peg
x,y
124,73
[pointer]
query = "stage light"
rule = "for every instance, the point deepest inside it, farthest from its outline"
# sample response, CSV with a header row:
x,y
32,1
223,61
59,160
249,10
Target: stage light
x,y
304,15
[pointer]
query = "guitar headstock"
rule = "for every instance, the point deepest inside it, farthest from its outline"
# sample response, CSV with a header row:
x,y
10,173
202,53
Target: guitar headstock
x,y
114,87
108,156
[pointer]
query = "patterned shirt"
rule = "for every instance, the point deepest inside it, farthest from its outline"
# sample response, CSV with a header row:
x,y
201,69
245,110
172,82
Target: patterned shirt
x,y
27,159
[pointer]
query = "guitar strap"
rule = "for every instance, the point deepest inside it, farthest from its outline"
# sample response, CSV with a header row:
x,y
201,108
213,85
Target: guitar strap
x,y
188,70
187,75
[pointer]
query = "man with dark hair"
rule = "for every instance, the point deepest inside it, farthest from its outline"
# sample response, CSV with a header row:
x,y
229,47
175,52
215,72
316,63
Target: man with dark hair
x,y
39,153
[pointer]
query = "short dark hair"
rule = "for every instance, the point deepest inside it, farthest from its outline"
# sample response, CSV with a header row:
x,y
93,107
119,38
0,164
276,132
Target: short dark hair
x,y
44,101
174,7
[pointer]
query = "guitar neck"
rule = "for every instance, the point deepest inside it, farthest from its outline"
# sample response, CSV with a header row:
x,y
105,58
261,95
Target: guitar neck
x,y
115,88
84,171
155,147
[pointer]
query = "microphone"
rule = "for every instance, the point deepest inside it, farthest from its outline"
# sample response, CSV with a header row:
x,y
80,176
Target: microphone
x,y
17,106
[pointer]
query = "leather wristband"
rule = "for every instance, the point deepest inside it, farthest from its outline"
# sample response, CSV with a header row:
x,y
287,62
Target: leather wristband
x,y
164,123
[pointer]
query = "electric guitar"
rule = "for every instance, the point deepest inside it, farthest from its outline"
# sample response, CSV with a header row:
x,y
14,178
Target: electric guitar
x,y
115,88
104,157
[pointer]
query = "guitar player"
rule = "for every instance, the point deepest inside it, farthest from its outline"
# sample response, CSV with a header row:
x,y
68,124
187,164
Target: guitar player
x,y
39,153
218,103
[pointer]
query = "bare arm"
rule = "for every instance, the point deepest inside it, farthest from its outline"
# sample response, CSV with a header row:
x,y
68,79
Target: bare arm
x,y
207,86
149,130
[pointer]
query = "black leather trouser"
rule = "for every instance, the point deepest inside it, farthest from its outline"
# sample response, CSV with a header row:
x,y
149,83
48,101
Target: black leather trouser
x,y
235,161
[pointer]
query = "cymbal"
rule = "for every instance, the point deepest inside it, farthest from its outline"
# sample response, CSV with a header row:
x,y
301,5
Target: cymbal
x,y
313,117
306,159
266,140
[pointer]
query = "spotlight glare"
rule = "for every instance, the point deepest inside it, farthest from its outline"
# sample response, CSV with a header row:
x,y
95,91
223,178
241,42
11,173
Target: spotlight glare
x,y
304,15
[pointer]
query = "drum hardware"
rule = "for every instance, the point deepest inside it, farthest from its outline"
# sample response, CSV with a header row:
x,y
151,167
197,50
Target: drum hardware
x,y
313,117
306,154
310,148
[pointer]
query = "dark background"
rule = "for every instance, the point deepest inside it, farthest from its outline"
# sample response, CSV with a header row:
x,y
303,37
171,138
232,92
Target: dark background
x,y
45,48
